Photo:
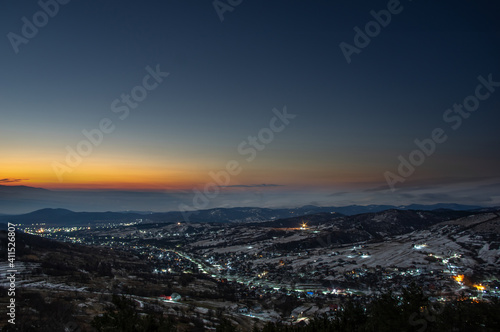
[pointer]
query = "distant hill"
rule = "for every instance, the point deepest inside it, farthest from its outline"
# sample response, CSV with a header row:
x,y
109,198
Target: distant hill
x,y
223,215
400,221
445,206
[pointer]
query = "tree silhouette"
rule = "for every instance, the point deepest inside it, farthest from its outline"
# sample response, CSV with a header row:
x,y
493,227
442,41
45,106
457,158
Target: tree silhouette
x,y
123,316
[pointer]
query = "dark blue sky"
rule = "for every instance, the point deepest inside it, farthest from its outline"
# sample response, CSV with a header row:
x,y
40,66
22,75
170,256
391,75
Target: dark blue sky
x,y
353,119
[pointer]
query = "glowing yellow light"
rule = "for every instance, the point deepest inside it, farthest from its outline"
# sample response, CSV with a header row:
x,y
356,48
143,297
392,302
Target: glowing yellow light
x,y
459,278
479,287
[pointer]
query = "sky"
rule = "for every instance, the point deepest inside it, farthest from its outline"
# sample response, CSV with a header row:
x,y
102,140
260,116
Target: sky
x,y
250,103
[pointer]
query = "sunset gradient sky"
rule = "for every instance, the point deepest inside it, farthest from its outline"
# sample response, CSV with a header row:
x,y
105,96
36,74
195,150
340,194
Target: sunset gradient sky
x,y
225,78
